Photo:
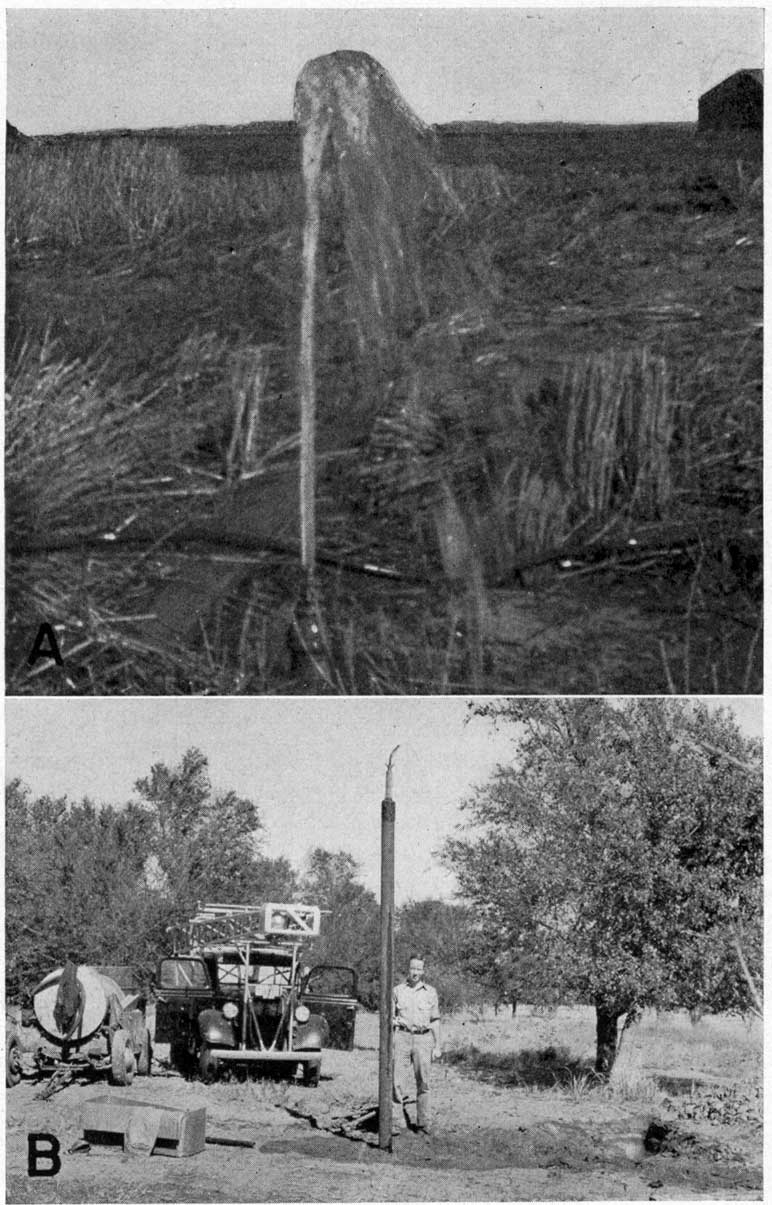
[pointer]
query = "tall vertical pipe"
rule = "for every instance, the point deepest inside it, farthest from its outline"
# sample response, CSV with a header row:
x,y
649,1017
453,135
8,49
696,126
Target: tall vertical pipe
x,y
386,1041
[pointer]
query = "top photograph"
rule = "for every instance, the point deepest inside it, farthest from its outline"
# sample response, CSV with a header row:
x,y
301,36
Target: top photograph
x,y
384,351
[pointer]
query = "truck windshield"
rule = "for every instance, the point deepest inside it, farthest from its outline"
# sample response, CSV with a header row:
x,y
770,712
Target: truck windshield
x,y
183,972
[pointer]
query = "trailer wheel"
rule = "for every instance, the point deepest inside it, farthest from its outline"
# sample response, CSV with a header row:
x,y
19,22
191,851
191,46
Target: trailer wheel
x,y
122,1058
208,1064
13,1064
144,1054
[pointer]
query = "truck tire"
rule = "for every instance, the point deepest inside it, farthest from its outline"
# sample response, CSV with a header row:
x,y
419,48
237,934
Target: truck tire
x,y
13,1066
208,1064
144,1054
181,1059
122,1060
311,1073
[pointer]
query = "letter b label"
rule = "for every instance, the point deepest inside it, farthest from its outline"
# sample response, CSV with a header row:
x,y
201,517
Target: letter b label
x,y
43,1149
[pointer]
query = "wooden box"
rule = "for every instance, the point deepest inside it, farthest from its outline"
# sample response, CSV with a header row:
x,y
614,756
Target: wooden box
x,y
181,1131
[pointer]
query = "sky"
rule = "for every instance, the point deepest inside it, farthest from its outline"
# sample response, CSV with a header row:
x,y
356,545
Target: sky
x,y
91,68
315,767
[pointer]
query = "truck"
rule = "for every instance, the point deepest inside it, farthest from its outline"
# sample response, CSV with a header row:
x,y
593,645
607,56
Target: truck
x,y
239,994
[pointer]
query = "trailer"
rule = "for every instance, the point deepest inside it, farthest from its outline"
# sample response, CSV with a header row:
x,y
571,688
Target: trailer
x,y
82,1023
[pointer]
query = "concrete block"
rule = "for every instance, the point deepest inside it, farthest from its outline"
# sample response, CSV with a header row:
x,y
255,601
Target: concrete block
x,y
108,1118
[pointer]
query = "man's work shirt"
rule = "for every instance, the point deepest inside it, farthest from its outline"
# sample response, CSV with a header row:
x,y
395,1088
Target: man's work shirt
x,y
415,1008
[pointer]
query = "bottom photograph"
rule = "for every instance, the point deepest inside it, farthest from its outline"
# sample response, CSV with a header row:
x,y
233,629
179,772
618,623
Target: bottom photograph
x,y
384,949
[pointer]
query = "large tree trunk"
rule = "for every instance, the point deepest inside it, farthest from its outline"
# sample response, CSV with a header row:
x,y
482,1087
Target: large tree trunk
x,y
605,1039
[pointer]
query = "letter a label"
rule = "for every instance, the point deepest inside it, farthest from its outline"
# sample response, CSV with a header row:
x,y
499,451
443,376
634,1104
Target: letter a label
x,y
42,649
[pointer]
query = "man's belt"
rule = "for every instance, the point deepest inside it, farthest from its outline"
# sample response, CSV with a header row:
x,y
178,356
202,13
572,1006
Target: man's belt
x,y
413,1029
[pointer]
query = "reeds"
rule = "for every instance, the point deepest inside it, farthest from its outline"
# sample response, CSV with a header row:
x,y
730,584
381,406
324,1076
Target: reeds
x,y
619,428
93,193
74,447
533,473
130,191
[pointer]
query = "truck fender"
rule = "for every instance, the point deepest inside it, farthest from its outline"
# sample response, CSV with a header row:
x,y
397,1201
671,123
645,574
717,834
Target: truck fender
x,y
312,1034
215,1029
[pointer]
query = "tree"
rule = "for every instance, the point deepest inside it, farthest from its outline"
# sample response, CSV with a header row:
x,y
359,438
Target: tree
x,y
350,921
441,934
74,887
103,884
619,854
503,976
206,845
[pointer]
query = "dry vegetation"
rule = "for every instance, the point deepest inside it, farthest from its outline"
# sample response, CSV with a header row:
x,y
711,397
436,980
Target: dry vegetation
x,y
664,1057
597,413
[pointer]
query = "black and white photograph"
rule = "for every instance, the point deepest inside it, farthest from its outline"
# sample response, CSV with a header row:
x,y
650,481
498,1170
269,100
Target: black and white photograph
x,y
384,949
389,351
384,604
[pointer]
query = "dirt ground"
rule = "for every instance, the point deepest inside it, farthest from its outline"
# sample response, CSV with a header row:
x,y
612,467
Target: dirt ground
x,y
490,1141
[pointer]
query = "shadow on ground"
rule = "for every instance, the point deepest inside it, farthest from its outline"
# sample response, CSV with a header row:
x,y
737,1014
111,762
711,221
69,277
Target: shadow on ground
x,y
569,1146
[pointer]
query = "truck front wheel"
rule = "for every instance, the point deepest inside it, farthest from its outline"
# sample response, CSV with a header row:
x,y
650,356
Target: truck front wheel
x,y
311,1073
208,1064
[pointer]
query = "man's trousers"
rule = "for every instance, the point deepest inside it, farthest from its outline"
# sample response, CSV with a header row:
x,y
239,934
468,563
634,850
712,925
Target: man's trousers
x,y
412,1063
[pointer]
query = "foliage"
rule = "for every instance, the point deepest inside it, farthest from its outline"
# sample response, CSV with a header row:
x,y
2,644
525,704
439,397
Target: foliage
x,y
205,844
74,887
107,884
438,932
720,1104
501,976
104,884
618,852
350,918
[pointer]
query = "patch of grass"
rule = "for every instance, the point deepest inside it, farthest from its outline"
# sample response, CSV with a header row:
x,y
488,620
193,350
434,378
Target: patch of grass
x,y
629,1081
550,1067
504,1053
661,1044
580,1085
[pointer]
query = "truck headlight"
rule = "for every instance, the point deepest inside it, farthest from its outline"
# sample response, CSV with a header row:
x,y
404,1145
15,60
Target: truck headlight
x,y
230,1010
302,1014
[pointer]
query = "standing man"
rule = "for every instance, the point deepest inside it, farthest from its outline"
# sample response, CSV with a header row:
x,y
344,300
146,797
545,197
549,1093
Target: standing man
x,y
416,1043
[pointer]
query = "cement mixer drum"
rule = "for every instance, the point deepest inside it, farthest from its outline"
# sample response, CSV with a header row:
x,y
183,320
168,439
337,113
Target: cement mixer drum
x,y
96,992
